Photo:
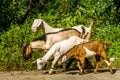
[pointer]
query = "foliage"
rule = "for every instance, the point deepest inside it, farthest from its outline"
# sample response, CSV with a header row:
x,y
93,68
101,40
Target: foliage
x,y
59,13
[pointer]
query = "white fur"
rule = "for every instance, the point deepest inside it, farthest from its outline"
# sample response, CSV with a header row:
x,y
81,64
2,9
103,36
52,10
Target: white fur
x,y
79,28
64,58
89,52
39,23
39,62
107,63
61,48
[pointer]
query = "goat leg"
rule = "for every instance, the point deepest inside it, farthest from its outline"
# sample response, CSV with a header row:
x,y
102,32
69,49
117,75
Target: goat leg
x,y
53,63
97,57
104,56
81,70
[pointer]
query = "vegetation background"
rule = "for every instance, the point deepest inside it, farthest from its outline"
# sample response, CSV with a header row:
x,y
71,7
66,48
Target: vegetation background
x,y
17,16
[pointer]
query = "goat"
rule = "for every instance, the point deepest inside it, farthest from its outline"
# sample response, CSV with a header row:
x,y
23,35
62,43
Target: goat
x,y
57,50
40,24
81,51
46,41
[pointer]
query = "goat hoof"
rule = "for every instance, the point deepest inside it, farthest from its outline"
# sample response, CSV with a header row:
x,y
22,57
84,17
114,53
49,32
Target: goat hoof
x,y
50,71
111,72
62,70
80,73
95,71
84,72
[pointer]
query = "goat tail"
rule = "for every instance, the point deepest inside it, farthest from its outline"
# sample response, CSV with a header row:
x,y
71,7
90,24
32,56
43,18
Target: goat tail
x,y
34,61
91,24
107,44
90,30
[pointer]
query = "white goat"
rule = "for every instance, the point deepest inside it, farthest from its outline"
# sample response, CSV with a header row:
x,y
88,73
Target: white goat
x,y
40,24
57,50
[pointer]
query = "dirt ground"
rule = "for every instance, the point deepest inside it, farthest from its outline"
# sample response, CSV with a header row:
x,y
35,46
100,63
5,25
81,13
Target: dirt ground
x,y
102,74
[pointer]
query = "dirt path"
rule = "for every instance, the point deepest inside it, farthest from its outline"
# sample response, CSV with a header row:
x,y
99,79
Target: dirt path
x,y
69,75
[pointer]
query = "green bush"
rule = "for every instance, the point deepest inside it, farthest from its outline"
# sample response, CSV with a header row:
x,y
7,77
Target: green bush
x,y
59,13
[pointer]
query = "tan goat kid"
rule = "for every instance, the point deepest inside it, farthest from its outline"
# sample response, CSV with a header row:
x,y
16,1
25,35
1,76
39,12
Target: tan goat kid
x,y
81,51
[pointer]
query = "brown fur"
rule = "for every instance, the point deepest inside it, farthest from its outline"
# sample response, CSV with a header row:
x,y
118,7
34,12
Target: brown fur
x,y
78,52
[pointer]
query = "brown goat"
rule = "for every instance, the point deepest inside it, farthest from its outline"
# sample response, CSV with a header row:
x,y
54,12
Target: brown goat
x,y
81,51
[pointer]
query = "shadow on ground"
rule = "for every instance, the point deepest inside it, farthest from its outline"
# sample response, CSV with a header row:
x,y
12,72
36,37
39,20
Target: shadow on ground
x,y
87,71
